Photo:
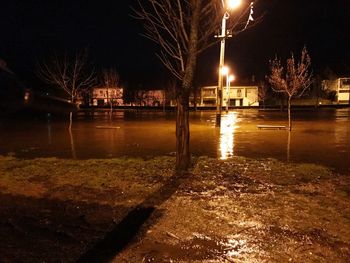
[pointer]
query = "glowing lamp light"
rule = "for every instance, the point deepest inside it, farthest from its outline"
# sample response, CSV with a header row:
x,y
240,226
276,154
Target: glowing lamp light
x,y
227,134
232,4
26,96
231,78
224,70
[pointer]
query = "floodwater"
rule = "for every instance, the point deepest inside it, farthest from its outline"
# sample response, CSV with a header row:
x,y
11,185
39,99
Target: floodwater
x,y
318,136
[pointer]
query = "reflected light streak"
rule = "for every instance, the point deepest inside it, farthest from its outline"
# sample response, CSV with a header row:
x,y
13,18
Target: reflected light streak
x,y
227,130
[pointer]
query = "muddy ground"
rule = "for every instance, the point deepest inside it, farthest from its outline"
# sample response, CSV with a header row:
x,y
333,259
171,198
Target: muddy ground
x,y
134,210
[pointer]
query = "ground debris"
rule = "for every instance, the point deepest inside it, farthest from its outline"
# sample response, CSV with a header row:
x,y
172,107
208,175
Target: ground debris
x,y
172,235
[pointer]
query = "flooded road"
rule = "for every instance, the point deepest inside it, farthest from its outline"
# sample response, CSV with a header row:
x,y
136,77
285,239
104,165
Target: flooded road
x,y
321,137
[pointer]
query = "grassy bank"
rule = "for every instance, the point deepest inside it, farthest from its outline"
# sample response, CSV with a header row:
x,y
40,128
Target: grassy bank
x,y
83,180
239,210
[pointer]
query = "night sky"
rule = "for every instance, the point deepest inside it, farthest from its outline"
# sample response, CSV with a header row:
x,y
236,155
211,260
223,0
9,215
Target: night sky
x,y
33,29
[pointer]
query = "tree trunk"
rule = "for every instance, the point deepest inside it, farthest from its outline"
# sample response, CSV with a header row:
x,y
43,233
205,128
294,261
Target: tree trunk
x,y
289,114
71,113
183,158
195,98
70,120
164,101
111,110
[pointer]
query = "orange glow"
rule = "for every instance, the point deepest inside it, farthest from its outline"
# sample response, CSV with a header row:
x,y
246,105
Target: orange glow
x,y
227,131
224,70
26,96
232,4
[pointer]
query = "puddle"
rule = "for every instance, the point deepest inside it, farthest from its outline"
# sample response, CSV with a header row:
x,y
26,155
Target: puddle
x,y
198,248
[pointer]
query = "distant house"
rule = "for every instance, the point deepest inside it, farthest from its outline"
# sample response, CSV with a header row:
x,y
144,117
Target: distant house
x,y
104,96
341,86
150,97
238,96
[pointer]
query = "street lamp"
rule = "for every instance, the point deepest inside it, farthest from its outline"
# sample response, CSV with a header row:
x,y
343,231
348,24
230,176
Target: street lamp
x,y
224,71
227,5
232,4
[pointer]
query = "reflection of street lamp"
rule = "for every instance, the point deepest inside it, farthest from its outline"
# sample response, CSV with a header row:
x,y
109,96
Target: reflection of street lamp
x,y
227,134
227,5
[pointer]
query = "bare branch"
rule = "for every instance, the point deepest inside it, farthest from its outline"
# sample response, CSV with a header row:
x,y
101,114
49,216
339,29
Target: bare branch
x,y
168,23
70,75
297,77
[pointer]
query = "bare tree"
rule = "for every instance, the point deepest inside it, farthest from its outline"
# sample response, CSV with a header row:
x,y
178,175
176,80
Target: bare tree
x,y
183,29
110,80
294,80
141,96
71,74
262,93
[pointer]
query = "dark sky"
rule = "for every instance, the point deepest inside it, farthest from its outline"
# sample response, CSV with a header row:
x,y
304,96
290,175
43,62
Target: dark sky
x,y
33,29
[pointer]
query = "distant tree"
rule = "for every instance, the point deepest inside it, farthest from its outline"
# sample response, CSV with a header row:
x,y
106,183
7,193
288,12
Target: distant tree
x,y
331,95
170,89
149,97
140,96
71,74
184,29
110,80
293,81
170,92
262,93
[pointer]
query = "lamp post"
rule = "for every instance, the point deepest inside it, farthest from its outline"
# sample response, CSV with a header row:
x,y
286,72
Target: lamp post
x,y
229,79
224,72
227,5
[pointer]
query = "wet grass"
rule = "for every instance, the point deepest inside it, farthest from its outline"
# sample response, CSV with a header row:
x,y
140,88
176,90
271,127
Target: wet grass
x,y
239,210
45,177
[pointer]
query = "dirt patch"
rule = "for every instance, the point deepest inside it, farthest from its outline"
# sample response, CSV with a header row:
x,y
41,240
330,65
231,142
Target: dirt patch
x,y
239,210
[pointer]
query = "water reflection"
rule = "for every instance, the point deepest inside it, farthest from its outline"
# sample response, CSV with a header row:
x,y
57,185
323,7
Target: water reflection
x,y
321,136
288,146
227,132
72,145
